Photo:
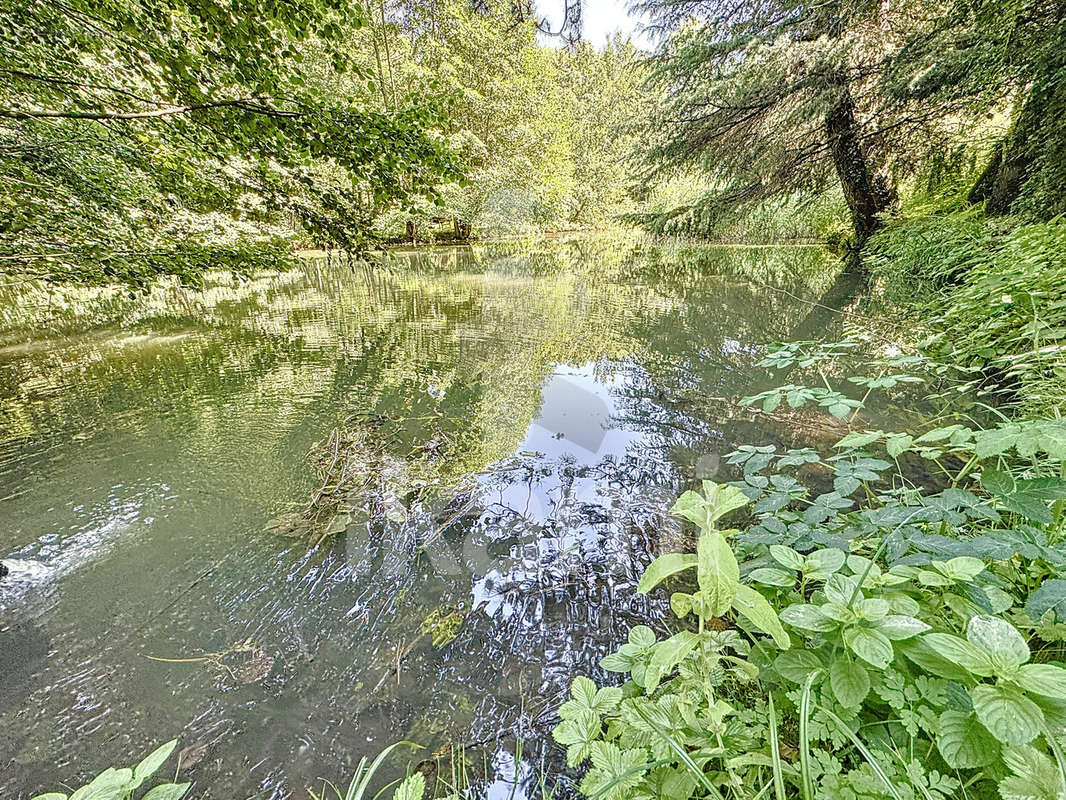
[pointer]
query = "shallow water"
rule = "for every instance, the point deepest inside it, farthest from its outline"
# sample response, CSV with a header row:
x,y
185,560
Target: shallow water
x,y
559,395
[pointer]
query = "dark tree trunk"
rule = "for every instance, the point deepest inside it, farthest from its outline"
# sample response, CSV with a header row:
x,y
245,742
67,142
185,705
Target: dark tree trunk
x,y
1002,180
865,195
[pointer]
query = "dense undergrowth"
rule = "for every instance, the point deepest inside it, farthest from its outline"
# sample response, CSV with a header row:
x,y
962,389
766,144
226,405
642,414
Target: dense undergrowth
x,y
885,620
993,293
874,637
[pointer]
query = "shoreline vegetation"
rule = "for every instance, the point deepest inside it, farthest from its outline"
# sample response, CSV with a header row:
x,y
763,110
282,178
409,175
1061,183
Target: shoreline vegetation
x,y
881,618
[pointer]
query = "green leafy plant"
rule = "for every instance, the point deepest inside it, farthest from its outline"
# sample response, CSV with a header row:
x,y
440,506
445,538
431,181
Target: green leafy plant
x,y
122,783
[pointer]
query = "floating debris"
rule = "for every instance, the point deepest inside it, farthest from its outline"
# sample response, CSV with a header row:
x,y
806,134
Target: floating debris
x,y
245,662
442,626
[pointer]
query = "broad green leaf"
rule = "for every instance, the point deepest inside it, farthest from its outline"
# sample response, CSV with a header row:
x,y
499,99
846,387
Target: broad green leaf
x,y
717,500
772,577
842,589
849,681
964,568
1036,776
641,636
151,763
681,604
111,783
717,571
964,742
898,443
796,665
1045,679
786,556
616,662
754,607
824,562
666,655
1050,596
999,639
169,791
1008,714
50,796
898,627
870,645
961,652
807,617
929,658
662,568
873,609
412,788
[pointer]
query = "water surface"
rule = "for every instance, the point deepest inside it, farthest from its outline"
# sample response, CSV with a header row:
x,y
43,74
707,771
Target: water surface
x,y
529,413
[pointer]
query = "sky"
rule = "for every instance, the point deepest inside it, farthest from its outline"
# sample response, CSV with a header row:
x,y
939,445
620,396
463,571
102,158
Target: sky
x,y
601,18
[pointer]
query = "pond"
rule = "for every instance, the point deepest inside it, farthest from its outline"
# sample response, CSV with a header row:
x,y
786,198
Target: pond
x,y
524,416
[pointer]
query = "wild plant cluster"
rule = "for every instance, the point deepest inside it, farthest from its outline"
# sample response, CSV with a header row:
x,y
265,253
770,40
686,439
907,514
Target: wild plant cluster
x,y
853,634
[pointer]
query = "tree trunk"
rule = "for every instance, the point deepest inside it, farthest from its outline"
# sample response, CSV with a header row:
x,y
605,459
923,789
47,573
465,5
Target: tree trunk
x,y
1009,168
864,194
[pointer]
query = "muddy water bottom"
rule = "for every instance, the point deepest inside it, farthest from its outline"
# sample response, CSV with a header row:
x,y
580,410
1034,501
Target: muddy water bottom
x,y
556,396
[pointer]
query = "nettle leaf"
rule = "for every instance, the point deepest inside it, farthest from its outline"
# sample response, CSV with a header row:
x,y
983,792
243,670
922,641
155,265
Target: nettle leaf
x,y
412,788
857,439
964,742
717,571
1008,714
662,568
754,607
870,645
1036,776
1045,679
586,697
615,772
849,681
999,639
796,665
797,458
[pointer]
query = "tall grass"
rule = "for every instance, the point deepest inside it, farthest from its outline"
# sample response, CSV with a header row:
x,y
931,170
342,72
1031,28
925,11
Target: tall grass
x,y
994,292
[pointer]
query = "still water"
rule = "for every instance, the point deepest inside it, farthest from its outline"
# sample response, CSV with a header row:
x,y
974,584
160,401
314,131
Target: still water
x,y
527,412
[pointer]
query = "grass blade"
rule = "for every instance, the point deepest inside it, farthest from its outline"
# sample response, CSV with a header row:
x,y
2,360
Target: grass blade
x,y
775,753
862,748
